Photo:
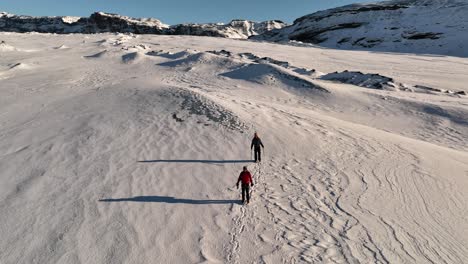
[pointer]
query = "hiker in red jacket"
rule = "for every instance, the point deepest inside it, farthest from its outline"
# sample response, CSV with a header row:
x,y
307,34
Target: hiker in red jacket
x,y
246,178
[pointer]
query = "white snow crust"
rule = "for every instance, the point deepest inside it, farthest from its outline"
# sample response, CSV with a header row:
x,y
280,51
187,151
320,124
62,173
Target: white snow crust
x,y
119,148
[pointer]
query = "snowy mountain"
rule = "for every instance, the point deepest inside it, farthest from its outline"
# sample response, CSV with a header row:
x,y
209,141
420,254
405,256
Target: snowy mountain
x,y
235,29
415,26
100,22
97,23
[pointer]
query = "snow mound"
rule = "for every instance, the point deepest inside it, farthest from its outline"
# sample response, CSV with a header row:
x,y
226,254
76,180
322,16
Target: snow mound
x,y
367,80
264,70
267,60
138,47
4,47
171,55
202,60
118,40
269,75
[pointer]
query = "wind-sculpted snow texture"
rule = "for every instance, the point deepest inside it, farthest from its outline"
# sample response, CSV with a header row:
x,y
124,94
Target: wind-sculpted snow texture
x,y
412,26
122,148
100,22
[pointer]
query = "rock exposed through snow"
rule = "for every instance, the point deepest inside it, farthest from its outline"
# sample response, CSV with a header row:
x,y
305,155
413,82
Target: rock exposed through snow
x,y
375,81
410,26
267,70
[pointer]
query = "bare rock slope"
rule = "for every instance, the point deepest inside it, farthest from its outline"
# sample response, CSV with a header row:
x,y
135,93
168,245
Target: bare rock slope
x,y
100,22
414,26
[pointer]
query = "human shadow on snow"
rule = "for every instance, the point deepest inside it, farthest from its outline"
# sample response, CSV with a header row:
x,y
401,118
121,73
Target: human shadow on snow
x,y
168,199
195,161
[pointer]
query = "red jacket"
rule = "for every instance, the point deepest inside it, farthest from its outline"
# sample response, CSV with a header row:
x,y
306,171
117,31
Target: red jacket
x,y
245,177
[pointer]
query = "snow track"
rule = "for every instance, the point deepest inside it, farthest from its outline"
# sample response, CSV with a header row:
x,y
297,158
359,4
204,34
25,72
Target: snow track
x,y
132,157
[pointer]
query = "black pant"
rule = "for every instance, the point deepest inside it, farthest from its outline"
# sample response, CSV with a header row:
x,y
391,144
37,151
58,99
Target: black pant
x,y
258,154
245,192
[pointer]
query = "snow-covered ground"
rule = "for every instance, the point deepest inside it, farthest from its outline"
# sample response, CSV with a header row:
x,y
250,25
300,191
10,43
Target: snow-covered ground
x,y
126,149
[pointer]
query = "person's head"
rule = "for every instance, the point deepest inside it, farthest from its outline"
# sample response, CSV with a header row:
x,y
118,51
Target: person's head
x,y
245,168
255,135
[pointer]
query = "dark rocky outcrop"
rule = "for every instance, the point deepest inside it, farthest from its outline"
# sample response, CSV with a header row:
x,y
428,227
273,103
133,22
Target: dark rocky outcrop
x,y
421,35
102,22
97,23
313,36
408,26
350,9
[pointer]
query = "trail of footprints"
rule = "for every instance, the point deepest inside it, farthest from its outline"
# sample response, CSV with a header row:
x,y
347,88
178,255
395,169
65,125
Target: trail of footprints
x,y
305,213
311,226
246,217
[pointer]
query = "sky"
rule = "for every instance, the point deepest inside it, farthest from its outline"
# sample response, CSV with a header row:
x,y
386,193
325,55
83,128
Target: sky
x,y
176,11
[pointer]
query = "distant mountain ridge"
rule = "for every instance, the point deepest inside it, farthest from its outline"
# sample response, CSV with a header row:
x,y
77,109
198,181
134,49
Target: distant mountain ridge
x,y
100,22
235,29
438,27
414,26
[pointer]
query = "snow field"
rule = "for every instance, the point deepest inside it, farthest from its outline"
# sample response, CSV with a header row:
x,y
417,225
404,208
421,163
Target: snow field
x,y
128,152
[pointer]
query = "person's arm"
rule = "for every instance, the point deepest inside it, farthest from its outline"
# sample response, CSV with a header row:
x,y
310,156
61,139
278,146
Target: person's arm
x,y
251,180
251,145
261,144
238,180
